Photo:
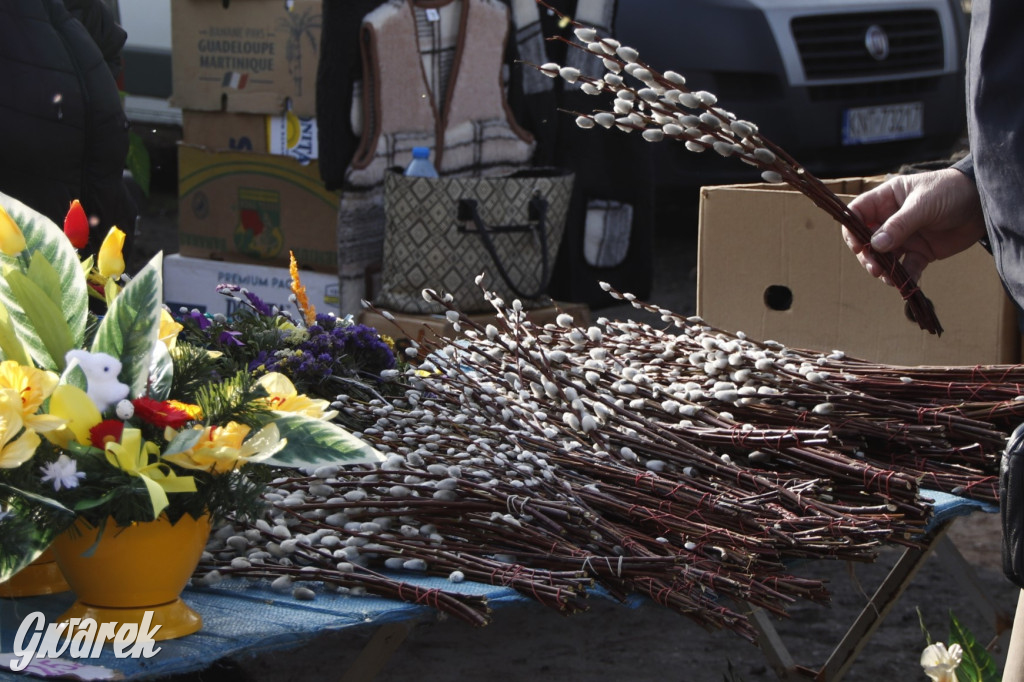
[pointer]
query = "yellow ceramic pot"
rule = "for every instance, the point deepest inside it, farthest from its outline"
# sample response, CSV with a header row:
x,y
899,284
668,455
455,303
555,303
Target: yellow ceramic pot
x,y
143,567
42,576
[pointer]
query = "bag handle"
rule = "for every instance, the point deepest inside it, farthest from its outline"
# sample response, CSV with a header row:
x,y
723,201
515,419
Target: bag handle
x,y
538,210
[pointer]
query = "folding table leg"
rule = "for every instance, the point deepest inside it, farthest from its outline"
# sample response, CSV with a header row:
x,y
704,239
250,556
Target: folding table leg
x,y
878,607
775,649
375,655
858,634
999,618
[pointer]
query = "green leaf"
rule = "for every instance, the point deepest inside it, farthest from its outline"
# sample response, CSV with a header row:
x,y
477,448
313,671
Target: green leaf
x,y
183,441
137,162
44,237
23,543
28,524
50,505
131,327
42,273
11,347
317,441
977,663
52,331
161,373
924,628
83,505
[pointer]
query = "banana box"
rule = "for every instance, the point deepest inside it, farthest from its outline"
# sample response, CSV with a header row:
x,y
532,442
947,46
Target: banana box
x,y
286,134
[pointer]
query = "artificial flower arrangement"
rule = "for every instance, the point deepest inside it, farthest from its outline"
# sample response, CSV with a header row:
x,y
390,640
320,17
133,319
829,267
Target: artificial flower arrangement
x,y
323,355
108,416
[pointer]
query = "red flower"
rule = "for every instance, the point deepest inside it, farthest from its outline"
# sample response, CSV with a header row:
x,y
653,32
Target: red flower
x,y
107,431
76,225
160,414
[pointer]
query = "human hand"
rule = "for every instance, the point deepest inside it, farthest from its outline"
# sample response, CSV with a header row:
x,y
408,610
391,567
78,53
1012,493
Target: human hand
x,y
918,218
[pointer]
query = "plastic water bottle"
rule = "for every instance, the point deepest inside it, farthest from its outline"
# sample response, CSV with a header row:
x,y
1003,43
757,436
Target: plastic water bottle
x,y
420,165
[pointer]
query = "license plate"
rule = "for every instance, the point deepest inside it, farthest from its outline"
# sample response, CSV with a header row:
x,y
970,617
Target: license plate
x,y
865,125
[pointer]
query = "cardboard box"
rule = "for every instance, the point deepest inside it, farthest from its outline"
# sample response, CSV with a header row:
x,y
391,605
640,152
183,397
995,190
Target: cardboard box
x,y
222,131
405,326
255,56
255,208
286,135
192,283
773,265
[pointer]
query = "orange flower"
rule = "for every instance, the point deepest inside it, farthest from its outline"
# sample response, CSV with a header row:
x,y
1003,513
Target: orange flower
x,y
193,411
76,225
301,299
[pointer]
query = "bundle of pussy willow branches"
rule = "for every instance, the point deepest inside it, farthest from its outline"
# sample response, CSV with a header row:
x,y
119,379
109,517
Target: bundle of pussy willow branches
x,y
684,463
660,106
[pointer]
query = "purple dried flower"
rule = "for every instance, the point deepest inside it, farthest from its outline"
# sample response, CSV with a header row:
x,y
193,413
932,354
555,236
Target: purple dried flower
x,y
230,338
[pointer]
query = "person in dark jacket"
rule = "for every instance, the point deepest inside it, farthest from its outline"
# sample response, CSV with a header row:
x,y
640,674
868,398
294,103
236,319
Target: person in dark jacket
x,y
928,216
63,130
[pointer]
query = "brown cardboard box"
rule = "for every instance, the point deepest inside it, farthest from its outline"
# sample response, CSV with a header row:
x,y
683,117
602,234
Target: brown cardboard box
x,y
252,56
286,134
255,208
223,131
773,265
406,326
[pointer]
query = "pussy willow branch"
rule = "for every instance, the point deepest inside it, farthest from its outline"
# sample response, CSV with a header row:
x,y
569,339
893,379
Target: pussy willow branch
x,y
663,107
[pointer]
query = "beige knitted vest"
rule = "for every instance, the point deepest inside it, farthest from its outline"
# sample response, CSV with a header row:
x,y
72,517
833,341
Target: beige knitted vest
x,y
469,127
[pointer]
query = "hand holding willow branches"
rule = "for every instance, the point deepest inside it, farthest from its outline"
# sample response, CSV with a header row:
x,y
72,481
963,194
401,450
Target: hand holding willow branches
x,y
917,218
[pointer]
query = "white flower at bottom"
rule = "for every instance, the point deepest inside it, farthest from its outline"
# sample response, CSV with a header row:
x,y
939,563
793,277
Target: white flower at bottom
x,y
63,473
940,663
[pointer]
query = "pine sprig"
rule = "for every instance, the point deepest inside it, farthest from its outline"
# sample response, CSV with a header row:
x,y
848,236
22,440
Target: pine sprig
x,y
233,399
194,368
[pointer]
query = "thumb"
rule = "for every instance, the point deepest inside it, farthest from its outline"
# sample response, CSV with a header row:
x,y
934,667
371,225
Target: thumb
x,y
898,228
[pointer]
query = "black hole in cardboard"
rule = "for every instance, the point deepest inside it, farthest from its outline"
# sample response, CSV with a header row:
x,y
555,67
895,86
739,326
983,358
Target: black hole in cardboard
x,y
778,297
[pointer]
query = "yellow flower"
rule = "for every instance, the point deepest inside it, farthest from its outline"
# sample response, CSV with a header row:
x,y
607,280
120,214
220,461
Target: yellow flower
x,y
221,449
79,412
132,455
169,329
301,299
12,241
32,387
15,449
939,663
284,398
110,261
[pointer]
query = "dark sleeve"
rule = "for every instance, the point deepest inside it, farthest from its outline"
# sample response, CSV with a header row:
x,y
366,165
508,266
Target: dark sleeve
x,y
339,68
104,29
966,166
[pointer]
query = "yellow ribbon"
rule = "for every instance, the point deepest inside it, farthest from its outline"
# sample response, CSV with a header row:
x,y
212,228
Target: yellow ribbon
x,y
132,456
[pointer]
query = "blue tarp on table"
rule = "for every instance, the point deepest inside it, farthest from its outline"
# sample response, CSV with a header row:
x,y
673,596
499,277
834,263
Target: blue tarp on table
x,y
241,616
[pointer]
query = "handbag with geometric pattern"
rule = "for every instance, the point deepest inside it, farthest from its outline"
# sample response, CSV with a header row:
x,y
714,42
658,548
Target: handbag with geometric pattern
x,y
441,233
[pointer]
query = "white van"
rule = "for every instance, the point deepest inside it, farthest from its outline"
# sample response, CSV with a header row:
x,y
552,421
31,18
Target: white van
x,y
147,60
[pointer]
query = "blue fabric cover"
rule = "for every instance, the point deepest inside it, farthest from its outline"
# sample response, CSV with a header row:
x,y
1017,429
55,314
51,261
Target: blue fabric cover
x,y
242,617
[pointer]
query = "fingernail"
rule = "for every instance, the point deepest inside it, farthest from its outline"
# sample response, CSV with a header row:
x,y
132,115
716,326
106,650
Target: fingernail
x,y
880,241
